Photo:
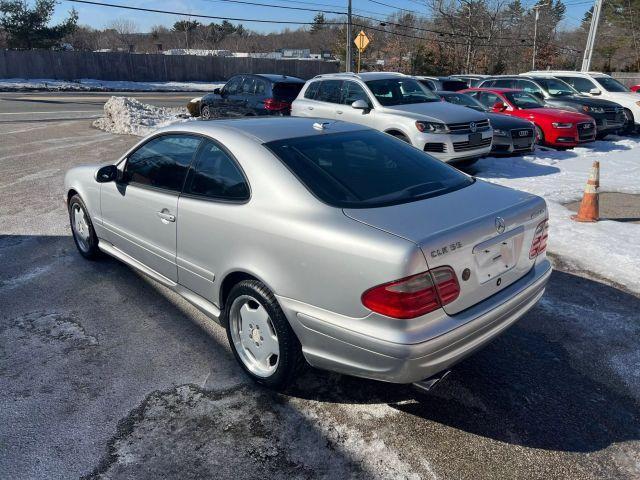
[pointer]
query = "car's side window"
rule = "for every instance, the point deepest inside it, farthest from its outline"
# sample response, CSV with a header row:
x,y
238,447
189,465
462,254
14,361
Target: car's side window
x,y
261,87
312,90
216,175
248,86
489,99
528,86
503,83
329,91
583,85
351,92
233,86
162,162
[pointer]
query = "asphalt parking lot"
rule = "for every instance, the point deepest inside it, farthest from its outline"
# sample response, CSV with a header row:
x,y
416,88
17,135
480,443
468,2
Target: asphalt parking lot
x,y
106,374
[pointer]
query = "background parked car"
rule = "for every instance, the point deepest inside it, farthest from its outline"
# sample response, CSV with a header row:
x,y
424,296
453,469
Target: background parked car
x,y
442,83
609,116
510,134
554,127
599,85
399,105
252,94
472,79
635,88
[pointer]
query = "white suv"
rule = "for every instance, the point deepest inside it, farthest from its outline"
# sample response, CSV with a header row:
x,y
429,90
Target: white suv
x,y
398,105
600,85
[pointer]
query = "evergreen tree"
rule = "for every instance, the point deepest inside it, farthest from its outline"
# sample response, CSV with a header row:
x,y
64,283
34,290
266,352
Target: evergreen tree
x,y
29,27
319,23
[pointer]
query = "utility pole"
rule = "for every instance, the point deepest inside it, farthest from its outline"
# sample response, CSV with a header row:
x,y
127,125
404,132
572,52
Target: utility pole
x,y
535,35
349,59
591,39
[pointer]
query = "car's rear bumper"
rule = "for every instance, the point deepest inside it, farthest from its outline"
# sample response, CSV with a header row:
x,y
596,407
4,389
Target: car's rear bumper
x,y
330,346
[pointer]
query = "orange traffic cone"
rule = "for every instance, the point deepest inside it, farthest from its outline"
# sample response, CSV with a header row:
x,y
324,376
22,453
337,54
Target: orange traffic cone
x,y
590,206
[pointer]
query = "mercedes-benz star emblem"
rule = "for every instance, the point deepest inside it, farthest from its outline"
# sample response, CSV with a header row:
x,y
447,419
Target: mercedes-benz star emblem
x,y
500,225
473,127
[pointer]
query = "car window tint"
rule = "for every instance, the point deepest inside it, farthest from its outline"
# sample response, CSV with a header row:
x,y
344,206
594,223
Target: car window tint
x,y
261,87
365,169
312,90
453,85
233,86
503,83
329,91
429,84
351,92
489,99
248,86
287,90
216,175
162,162
464,100
583,85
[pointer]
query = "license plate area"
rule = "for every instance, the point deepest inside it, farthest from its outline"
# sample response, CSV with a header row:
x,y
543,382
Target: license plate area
x,y
497,255
475,138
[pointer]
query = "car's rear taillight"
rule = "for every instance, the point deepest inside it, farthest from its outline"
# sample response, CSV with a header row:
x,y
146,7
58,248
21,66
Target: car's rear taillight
x,y
539,243
413,296
274,104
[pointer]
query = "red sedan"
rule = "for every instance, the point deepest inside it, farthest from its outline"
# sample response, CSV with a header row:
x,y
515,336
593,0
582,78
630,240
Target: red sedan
x,y
554,127
635,88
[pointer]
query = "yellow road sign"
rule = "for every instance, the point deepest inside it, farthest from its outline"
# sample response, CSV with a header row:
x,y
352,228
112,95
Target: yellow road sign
x,y
361,41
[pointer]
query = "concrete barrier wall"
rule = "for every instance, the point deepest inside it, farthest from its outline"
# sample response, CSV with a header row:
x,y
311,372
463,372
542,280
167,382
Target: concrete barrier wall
x,y
145,67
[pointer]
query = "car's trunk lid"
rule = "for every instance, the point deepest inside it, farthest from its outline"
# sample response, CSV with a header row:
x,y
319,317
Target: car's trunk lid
x,y
461,229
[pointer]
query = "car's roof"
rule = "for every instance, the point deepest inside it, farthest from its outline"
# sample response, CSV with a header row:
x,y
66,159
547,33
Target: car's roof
x,y
265,129
552,73
491,89
364,76
274,77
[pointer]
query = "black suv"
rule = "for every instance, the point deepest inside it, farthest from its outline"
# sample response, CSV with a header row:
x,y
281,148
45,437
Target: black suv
x,y
252,94
609,116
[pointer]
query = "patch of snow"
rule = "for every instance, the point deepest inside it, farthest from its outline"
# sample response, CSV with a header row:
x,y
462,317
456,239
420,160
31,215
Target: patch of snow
x,y
607,248
127,115
90,84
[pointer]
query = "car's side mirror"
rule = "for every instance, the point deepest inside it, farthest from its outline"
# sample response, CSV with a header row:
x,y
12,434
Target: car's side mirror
x,y
595,91
360,105
108,173
217,91
499,107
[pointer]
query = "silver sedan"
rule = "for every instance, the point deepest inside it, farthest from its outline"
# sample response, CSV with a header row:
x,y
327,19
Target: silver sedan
x,y
317,241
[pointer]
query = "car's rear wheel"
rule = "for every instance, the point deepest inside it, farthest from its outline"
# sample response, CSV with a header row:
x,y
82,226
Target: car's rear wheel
x,y
205,112
260,336
82,229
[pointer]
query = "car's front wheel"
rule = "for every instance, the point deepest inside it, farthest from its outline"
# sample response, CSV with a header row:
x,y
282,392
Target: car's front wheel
x,y
539,136
260,336
84,234
205,112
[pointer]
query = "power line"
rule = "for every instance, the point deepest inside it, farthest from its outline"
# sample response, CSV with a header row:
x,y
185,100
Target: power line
x,y
392,6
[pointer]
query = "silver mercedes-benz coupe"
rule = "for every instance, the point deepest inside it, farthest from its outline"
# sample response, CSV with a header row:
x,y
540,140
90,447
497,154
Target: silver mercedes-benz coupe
x,y
318,240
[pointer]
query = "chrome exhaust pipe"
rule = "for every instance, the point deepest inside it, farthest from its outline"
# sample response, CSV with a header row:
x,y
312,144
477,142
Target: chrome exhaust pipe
x,y
428,383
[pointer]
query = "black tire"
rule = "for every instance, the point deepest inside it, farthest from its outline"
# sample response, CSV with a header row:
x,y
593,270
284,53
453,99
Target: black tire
x,y
401,136
290,358
539,136
629,126
86,240
465,163
601,135
205,112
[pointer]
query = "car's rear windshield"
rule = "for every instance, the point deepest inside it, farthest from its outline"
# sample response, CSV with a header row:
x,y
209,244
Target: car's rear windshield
x,y
556,88
287,91
400,91
454,85
523,100
464,100
366,169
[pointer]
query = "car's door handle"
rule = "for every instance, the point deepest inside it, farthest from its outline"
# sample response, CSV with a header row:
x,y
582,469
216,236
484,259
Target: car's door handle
x,y
309,108
166,216
339,112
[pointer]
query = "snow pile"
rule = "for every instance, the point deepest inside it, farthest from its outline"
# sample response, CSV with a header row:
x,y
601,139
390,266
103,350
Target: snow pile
x,y
128,115
90,84
607,248
198,51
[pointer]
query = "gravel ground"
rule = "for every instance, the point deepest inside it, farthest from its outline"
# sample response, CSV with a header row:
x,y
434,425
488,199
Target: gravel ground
x,y
106,374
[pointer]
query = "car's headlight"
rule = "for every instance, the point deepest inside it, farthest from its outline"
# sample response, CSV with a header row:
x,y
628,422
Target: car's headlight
x,y
638,103
432,127
562,125
587,108
500,133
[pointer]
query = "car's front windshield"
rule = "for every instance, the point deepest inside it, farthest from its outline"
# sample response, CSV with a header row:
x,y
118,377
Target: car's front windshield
x,y
365,169
523,100
610,84
557,88
465,101
400,91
